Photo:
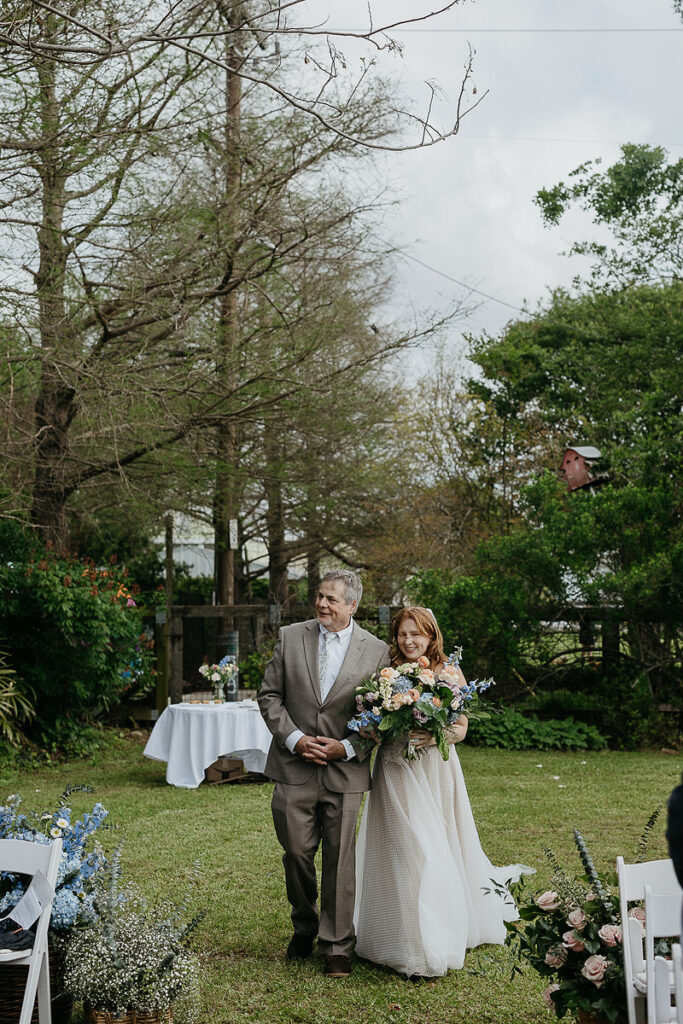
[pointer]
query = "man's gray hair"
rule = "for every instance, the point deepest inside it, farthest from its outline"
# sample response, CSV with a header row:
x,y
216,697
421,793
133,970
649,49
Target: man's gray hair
x,y
353,588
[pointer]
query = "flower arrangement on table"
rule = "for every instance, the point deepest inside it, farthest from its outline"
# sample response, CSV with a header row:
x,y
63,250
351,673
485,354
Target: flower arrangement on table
x,y
133,957
396,700
220,675
571,935
80,863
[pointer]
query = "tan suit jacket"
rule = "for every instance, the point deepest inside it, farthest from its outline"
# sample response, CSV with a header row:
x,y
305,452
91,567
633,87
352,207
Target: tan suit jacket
x,y
289,699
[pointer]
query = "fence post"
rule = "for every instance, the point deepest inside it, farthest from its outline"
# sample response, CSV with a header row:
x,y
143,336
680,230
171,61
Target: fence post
x,y
610,638
161,647
175,675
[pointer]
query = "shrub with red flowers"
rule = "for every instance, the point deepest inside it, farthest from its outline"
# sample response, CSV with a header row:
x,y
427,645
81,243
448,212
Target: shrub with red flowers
x,y
571,935
74,636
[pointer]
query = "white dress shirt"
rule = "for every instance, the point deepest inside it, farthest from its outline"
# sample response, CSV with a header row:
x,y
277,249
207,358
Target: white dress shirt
x,y
337,646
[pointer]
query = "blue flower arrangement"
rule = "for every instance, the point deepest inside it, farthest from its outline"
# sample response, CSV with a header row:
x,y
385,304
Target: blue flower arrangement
x,y
81,861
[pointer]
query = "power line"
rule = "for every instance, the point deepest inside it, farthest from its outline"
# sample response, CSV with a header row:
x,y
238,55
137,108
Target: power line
x,y
453,280
465,31
579,142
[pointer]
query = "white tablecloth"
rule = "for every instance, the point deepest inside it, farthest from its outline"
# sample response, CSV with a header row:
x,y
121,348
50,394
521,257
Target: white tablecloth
x,y
190,737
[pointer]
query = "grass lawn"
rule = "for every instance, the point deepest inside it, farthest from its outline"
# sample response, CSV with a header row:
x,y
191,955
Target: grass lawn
x,y
520,801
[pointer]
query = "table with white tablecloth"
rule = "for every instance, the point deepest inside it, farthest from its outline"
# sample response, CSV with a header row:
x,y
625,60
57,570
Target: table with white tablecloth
x,y
190,737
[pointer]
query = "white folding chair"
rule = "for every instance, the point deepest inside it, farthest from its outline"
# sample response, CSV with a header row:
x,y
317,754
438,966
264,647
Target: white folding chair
x,y
661,877
664,1011
22,857
677,958
662,921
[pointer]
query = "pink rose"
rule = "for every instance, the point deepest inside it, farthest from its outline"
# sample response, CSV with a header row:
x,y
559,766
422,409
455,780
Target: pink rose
x,y
548,900
610,934
547,996
555,956
594,969
638,913
572,941
388,673
577,919
424,662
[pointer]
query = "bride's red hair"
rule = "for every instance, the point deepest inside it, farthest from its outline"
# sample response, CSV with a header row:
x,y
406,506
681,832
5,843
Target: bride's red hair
x,y
427,625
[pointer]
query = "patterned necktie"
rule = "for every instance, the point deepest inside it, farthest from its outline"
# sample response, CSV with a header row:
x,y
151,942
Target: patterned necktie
x,y
324,652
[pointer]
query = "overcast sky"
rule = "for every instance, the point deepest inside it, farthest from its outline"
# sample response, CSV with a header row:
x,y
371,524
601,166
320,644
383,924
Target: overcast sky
x,y
555,99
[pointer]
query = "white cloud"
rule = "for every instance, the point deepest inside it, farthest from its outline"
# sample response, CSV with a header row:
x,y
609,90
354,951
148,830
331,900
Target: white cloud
x,y
468,207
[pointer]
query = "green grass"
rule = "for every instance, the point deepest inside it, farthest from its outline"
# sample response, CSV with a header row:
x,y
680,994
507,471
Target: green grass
x,y
518,807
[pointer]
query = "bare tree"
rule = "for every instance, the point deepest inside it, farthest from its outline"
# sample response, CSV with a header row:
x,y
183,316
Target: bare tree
x,y
90,36
143,205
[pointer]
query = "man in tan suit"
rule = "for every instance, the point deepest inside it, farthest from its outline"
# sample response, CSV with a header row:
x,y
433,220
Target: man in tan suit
x,y
320,768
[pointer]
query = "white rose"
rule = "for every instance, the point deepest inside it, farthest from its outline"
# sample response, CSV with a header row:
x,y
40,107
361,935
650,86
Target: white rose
x,y
594,969
548,900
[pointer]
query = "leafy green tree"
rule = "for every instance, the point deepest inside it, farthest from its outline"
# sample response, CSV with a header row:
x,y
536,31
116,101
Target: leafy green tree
x,y
602,368
639,199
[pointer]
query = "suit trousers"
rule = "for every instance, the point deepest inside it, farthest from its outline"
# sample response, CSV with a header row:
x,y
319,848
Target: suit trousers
x,y
303,816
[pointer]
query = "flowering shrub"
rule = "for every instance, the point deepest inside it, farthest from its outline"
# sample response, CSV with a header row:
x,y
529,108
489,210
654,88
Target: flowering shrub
x,y
396,700
132,957
75,637
74,901
571,935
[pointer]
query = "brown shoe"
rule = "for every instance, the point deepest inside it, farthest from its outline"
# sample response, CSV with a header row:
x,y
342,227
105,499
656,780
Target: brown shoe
x,y
338,966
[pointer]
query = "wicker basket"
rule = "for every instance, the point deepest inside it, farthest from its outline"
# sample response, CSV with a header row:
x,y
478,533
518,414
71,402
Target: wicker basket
x,y
13,984
93,1016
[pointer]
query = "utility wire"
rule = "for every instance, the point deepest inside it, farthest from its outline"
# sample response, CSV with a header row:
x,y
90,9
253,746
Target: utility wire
x,y
453,280
465,31
577,142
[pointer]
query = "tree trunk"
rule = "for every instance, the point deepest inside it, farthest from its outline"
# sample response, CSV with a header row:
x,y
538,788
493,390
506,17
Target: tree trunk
x,y
55,405
226,499
313,575
275,526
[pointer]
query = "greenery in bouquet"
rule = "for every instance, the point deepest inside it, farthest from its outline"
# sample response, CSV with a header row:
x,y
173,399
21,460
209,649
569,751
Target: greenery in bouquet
x,y
82,860
411,696
571,935
134,956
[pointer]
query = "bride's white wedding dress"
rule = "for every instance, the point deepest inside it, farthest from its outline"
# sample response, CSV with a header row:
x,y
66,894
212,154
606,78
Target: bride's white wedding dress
x,y
421,871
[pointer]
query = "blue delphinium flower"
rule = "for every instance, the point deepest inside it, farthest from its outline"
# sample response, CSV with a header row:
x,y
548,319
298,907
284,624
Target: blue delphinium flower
x,y
365,720
72,904
66,908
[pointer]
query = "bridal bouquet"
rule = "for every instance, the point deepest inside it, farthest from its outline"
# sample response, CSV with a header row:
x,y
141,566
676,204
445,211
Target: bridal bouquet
x,y
411,696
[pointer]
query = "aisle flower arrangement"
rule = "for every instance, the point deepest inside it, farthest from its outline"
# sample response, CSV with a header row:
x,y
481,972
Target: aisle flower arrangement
x,y
133,958
571,935
395,700
81,860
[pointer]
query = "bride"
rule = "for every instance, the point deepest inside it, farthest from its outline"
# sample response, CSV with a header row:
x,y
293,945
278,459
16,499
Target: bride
x,y
424,891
